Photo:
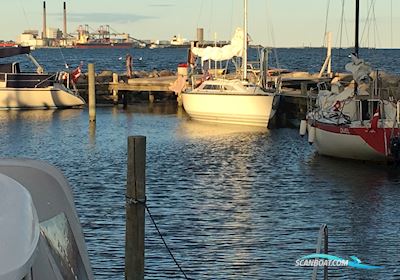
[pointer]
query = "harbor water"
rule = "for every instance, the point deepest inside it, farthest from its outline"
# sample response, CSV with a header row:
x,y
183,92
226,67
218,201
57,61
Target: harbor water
x,y
233,202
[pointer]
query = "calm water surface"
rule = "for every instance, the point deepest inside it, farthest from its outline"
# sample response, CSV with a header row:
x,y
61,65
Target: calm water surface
x,y
233,202
307,59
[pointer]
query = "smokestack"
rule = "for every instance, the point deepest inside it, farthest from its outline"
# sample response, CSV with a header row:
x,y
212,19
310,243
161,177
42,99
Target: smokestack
x,y
200,35
44,21
65,21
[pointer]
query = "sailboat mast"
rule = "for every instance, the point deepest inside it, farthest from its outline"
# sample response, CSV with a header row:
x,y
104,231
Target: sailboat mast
x,y
244,58
356,46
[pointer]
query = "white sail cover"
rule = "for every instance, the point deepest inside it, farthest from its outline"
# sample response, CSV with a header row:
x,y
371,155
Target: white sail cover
x,y
235,48
359,69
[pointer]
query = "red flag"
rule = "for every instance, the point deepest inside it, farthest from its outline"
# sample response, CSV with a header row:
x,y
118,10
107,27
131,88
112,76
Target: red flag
x,y
375,119
76,74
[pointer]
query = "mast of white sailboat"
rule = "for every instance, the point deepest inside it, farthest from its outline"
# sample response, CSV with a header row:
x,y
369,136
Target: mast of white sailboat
x,y
244,57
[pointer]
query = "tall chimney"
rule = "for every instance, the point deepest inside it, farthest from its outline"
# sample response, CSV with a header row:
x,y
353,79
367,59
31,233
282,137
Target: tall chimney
x,y
65,21
200,35
44,21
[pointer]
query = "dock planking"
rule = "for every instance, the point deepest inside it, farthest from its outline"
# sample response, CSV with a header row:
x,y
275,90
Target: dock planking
x,y
156,84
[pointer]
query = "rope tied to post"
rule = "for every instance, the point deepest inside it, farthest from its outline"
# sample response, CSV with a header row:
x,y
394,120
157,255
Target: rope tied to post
x,y
131,200
136,206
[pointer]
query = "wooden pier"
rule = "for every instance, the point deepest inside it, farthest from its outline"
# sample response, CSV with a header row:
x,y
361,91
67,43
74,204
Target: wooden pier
x,y
156,84
114,89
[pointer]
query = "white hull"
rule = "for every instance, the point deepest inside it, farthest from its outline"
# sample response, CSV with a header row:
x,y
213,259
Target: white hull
x,y
49,97
246,109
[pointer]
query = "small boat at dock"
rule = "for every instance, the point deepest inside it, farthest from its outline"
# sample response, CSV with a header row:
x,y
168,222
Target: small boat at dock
x,y
358,118
223,100
33,90
230,101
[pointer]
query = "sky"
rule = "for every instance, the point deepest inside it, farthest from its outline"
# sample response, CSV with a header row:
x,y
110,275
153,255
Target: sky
x,y
274,23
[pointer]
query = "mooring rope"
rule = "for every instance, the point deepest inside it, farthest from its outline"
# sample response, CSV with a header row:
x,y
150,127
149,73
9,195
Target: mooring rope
x,y
165,243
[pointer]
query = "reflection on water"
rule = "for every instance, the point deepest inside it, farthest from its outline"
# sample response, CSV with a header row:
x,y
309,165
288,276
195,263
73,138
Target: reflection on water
x,y
38,115
233,202
197,129
92,133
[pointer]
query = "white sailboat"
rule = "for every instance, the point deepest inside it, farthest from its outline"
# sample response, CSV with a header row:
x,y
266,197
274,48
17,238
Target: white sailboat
x,y
223,100
358,120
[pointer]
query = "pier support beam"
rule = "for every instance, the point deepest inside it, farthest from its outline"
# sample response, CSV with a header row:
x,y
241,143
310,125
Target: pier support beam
x,y
92,92
179,99
151,97
135,208
124,99
115,90
303,86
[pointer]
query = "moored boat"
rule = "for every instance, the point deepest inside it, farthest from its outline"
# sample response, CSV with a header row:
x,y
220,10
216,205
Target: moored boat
x,y
358,119
33,90
230,101
224,100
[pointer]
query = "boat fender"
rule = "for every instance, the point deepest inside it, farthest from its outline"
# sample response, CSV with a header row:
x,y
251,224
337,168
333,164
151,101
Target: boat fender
x,y
311,135
303,128
395,148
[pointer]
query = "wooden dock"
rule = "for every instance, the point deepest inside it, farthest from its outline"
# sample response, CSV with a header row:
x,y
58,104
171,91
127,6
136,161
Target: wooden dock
x,y
294,95
156,84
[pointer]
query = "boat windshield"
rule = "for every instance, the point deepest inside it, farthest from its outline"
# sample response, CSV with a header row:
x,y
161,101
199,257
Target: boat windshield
x,y
62,244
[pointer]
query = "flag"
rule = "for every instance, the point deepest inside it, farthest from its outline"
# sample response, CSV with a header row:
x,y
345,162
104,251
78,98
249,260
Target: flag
x,y
76,74
375,119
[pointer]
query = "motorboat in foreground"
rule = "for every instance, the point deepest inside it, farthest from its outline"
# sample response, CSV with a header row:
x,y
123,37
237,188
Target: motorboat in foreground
x,y
41,236
34,90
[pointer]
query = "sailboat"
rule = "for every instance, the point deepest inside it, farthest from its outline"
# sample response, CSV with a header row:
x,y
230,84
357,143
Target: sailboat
x,y
235,101
358,119
33,90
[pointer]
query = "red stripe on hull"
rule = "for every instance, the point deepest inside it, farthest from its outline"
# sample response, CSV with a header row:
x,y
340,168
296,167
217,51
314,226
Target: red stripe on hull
x,y
378,139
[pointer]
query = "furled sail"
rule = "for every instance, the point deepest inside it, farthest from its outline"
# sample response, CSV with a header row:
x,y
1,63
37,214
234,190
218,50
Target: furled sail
x,y
359,69
235,48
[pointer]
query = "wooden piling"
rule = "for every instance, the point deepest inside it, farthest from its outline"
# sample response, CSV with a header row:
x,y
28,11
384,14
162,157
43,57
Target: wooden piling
x,y
115,89
179,100
151,97
92,92
135,208
304,86
125,99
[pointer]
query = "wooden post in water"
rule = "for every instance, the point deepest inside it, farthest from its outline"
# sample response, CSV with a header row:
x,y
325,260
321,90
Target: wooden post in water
x,y
115,90
135,208
125,99
179,99
303,87
92,92
151,97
